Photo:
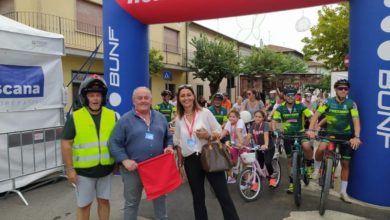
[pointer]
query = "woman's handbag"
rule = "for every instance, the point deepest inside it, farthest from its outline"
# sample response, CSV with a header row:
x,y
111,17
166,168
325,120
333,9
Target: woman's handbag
x,y
215,157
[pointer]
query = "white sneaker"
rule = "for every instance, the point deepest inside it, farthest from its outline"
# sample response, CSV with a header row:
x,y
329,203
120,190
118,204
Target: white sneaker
x,y
316,174
231,180
345,198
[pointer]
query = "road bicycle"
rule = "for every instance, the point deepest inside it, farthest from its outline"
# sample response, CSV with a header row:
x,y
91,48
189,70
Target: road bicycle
x,y
330,161
249,179
298,169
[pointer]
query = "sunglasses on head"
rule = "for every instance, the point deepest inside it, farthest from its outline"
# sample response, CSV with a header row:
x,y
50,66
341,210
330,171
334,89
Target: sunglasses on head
x,y
185,86
343,88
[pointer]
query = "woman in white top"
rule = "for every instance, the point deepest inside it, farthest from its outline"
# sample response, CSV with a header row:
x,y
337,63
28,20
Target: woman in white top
x,y
194,125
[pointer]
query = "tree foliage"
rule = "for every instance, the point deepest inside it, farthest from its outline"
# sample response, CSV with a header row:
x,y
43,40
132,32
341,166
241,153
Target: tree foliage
x,y
214,60
325,83
155,61
329,41
267,61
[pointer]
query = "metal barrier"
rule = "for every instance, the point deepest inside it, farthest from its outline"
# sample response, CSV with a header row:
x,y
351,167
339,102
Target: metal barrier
x,y
27,156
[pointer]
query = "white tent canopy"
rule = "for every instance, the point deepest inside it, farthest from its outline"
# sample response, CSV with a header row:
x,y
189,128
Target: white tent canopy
x,y
31,108
28,39
29,59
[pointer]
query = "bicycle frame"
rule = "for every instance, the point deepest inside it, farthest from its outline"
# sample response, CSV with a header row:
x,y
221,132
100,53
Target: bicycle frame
x,y
330,160
331,152
302,167
297,147
263,172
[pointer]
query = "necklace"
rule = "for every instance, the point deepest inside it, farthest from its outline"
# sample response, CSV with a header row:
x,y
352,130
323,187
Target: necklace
x,y
188,114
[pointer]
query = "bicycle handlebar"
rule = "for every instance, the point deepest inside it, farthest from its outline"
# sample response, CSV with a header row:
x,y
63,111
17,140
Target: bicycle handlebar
x,y
291,137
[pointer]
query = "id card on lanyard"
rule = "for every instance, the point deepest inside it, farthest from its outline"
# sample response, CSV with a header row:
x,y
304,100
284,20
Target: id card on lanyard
x,y
191,142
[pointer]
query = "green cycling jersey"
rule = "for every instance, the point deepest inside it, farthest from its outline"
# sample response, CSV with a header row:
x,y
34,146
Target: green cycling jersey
x,y
339,115
292,119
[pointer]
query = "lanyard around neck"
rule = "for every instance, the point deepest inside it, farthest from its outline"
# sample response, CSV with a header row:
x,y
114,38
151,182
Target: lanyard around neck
x,y
190,126
144,119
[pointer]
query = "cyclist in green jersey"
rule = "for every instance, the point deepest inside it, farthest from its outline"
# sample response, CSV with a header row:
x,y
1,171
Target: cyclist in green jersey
x,y
165,108
340,113
271,101
219,112
291,114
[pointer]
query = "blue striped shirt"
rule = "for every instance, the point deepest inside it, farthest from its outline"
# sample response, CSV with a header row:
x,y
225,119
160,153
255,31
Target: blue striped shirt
x,y
128,139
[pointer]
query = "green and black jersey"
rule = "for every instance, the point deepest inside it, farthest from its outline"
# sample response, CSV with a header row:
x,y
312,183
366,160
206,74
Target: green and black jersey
x,y
339,115
220,115
166,109
292,120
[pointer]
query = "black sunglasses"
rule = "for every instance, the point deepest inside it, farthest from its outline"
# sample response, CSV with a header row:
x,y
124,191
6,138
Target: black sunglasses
x,y
343,88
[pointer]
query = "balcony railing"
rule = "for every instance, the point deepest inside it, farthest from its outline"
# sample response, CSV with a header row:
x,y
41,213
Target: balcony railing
x,y
172,54
77,35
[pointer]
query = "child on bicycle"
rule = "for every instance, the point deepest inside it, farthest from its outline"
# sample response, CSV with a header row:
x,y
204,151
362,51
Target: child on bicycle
x,y
235,127
260,134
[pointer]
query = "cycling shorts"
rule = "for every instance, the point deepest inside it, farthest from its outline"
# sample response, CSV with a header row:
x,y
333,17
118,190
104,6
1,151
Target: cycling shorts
x,y
288,144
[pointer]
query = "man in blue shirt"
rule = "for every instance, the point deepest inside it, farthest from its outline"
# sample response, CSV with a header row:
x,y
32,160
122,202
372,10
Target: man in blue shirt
x,y
139,135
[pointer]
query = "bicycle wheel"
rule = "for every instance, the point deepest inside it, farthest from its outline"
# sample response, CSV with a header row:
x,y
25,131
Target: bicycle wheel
x,y
326,185
249,189
277,171
296,179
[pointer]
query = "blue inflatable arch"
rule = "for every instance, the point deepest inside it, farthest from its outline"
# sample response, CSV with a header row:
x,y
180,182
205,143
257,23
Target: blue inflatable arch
x,y
126,67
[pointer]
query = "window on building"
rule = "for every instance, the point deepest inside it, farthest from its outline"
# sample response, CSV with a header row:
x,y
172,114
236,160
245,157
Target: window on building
x,y
171,40
171,87
89,17
7,6
199,90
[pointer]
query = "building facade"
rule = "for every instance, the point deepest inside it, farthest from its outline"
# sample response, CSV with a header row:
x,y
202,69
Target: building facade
x,y
80,21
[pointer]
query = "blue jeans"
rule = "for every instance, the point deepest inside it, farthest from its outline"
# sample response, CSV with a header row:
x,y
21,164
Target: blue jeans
x,y
132,192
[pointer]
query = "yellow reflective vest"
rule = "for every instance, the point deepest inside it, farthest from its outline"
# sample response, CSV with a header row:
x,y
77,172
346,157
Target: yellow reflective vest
x,y
89,149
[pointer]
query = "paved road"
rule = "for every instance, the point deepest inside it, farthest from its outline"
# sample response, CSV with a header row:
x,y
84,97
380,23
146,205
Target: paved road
x,y
55,201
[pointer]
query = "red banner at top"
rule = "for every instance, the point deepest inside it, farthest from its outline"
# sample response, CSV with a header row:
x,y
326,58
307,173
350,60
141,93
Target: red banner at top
x,y
166,11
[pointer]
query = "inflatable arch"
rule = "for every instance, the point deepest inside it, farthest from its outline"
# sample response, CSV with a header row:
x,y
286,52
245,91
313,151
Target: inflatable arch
x,y
126,67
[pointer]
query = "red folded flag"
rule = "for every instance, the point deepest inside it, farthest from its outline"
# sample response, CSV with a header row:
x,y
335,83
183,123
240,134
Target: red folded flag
x,y
159,175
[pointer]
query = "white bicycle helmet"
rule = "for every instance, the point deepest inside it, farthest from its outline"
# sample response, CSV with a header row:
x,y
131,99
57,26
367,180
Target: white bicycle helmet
x,y
246,116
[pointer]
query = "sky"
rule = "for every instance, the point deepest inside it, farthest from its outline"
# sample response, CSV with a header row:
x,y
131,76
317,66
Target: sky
x,y
277,28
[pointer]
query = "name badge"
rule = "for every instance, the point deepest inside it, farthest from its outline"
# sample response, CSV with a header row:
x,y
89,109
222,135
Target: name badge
x,y
191,142
149,136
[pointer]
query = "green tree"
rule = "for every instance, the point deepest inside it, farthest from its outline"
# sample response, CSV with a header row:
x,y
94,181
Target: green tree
x,y
266,61
214,60
155,61
329,41
325,82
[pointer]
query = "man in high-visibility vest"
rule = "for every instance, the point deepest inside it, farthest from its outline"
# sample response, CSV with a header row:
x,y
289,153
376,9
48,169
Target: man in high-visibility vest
x,y
85,152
